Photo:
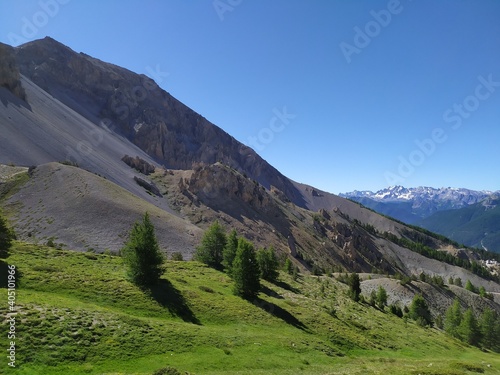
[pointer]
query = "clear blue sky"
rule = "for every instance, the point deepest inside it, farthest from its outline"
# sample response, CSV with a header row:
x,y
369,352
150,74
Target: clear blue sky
x,y
357,83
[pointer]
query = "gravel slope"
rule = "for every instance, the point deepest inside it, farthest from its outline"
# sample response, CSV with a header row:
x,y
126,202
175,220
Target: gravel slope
x,y
84,211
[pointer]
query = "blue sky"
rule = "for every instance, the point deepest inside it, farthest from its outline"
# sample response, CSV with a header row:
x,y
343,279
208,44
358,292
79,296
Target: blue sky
x,y
341,95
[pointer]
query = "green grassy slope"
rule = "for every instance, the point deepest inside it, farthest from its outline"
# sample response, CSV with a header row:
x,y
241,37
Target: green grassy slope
x,y
77,314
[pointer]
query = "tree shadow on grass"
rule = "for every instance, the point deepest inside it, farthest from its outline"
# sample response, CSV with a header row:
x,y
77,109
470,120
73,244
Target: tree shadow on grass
x,y
280,313
269,292
166,295
286,286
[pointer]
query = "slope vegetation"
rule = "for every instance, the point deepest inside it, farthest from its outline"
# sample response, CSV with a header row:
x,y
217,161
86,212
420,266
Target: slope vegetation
x,y
76,313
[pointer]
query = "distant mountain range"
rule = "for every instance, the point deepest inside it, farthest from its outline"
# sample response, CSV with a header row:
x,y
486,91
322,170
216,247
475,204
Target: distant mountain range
x,y
466,216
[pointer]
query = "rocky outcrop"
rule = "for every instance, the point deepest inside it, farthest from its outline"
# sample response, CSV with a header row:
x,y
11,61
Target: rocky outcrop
x,y
149,186
9,72
139,164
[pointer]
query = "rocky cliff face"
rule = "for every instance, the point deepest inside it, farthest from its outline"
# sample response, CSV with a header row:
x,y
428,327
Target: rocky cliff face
x,y
134,106
9,72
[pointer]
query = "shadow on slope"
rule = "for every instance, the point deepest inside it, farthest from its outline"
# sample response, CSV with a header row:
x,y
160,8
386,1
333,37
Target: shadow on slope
x,y
168,296
280,313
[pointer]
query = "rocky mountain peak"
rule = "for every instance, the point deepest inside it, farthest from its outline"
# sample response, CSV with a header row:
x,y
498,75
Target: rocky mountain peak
x,y
9,72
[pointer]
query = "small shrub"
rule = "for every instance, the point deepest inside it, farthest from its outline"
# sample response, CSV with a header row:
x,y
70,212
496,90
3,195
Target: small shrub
x,y
177,256
206,289
396,310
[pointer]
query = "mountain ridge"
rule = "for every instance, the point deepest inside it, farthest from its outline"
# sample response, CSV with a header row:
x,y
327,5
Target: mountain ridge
x,y
85,111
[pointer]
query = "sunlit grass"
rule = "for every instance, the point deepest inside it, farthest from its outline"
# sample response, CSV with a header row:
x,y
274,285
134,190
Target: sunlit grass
x,y
78,314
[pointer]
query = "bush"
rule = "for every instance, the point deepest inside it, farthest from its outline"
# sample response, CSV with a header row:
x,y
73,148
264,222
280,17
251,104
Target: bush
x,y
396,310
177,256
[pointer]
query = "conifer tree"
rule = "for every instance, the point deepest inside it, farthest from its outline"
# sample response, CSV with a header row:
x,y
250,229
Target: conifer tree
x,y
229,251
419,311
212,246
487,325
468,328
470,287
354,286
453,318
381,297
142,254
246,271
268,264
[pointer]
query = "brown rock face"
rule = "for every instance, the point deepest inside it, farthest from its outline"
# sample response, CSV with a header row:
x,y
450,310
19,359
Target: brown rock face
x,y
134,106
9,72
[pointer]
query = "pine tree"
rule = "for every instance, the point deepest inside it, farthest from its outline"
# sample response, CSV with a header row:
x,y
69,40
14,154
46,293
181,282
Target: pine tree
x,y
6,237
487,325
142,254
288,266
453,318
268,264
419,311
381,297
470,287
354,286
468,328
229,252
212,246
246,271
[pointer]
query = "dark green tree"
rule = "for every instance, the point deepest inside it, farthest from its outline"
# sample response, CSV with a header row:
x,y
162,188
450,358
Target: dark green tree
x,y
381,297
229,251
246,272
419,311
288,266
372,301
470,287
212,246
482,292
6,237
439,321
469,329
453,318
458,282
354,286
268,264
487,325
142,254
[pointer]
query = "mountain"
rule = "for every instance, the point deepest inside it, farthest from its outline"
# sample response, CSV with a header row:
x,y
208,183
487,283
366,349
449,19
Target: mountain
x,y
135,107
87,147
410,205
85,112
476,225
